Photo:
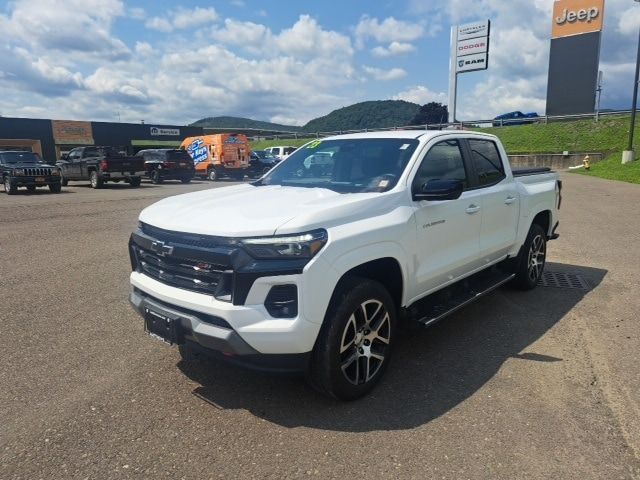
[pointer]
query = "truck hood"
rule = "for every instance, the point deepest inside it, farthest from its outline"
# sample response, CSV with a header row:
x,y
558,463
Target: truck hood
x,y
247,210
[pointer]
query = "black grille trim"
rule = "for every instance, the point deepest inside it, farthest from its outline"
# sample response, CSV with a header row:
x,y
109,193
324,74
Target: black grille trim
x,y
37,172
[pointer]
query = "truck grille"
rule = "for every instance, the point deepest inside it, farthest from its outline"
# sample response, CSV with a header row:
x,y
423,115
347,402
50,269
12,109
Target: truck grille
x,y
37,172
188,274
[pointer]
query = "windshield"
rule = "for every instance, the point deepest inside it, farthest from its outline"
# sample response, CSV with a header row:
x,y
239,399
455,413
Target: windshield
x,y
19,157
345,165
263,154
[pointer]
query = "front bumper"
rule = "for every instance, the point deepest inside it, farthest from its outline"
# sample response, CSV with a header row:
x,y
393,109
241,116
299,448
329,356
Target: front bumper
x,y
213,336
26,181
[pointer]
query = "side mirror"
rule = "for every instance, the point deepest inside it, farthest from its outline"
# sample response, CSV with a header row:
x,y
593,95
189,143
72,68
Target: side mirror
x,y
64,156
435,190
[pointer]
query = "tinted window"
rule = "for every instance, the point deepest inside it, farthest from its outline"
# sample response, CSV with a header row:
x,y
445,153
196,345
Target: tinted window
x,y
443,161
9,158
179,155
289,150
487,162
345,166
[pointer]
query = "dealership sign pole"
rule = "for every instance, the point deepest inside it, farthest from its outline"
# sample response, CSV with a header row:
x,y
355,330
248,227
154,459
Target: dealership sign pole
x,y
469,53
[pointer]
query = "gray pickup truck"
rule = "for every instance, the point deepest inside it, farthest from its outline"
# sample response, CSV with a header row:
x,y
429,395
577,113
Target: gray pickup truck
x,y
100,165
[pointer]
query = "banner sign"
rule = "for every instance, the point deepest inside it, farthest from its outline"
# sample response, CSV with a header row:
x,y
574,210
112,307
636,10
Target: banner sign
x,y
473,46
71,132
198,151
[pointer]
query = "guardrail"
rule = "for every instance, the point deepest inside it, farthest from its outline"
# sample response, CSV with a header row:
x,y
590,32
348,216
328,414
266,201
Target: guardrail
x,y
454,125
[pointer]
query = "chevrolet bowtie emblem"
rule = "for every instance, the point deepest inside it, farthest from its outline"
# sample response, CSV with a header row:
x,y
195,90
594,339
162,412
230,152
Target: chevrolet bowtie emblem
x,y
161,248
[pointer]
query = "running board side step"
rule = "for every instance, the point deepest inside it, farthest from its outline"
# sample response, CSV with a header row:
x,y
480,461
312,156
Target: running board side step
x,y
438,305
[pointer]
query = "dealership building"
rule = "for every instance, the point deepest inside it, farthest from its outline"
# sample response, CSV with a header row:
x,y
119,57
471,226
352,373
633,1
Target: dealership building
x,y
51,138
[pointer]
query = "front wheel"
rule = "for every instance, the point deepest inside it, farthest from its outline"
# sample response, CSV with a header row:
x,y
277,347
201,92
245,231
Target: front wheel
x,y
9,188
531,261
31,188
354,345
212,175
134,182
95,180
63,180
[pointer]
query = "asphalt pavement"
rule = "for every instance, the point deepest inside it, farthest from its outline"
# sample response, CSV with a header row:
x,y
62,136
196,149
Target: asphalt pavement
x,y
542,384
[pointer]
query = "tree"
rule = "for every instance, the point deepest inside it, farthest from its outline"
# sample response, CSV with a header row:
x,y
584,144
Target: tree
x,y
431,113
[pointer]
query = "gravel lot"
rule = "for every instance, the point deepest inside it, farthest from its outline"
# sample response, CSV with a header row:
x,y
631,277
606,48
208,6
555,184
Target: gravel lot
x,y
542,384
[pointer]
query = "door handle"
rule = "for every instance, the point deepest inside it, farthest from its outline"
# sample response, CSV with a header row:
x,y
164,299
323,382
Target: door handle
x,y
510,200
471,209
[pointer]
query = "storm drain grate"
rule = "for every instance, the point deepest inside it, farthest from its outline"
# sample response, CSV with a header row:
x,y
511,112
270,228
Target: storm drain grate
x,y
563,280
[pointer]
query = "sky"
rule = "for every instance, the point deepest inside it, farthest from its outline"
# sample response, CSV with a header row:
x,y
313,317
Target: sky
x,y
285,61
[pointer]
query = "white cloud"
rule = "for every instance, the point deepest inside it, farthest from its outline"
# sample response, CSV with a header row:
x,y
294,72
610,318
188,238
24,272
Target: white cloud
x,y
144,48
394,48
385,75
183,18
629,21
305,39
137,13
387,30
421,95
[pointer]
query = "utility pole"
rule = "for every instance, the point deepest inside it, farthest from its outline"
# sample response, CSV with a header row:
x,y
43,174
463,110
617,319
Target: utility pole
x,y
628,155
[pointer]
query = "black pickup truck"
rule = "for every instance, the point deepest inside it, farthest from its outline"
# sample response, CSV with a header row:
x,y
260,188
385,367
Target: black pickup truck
x,y
27,169
100,165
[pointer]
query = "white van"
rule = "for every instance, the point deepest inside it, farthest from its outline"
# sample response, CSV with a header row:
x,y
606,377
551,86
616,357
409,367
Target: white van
x,y
281,152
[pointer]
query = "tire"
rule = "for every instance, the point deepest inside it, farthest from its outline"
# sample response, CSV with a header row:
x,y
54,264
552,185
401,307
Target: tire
x,y
531,260
347,362
134,182
155,177
55,187
63,180
95,180
8,187
212,175
31,188
185,179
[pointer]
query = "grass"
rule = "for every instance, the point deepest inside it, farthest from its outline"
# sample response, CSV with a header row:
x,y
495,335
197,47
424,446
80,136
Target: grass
x,y
612,169
609,136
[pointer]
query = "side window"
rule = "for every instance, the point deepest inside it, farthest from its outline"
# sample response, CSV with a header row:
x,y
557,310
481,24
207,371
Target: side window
x,y
90,152
487,162
73,154
443,161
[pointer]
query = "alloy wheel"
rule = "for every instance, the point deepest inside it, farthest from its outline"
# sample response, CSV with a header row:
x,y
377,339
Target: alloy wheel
x,y
365,342
537,253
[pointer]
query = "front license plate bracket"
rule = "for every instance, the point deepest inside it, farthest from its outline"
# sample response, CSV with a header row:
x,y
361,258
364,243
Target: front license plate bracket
x,y
161,326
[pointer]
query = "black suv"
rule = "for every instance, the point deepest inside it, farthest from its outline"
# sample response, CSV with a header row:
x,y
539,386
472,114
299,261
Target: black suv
x,y
167,164
261,162
27,169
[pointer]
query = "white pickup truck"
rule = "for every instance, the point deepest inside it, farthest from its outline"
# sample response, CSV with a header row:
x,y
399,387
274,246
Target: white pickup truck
x,y
311,268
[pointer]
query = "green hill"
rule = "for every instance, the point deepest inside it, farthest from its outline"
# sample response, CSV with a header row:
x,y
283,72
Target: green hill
x,y
239,122
374,114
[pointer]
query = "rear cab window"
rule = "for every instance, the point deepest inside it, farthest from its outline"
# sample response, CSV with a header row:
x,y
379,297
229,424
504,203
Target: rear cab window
x,y
443,161
487,161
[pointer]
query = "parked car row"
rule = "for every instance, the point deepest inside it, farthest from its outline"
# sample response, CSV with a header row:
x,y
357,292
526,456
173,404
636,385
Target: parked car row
x,y
102,164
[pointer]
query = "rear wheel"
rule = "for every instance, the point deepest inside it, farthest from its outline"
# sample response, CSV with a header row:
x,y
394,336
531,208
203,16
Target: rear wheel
x,y
8,186
212,175
134,182
531,261
95,180
55,187
354,345
185,179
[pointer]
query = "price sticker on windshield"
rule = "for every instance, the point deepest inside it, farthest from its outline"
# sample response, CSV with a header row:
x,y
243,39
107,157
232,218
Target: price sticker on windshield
x,y
314,144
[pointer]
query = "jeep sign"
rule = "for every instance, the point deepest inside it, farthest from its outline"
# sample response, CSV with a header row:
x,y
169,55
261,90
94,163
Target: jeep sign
x,y
575,17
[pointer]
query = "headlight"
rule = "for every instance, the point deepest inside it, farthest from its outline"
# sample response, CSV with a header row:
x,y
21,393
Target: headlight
x,y
18,171
304,245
